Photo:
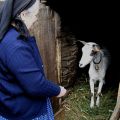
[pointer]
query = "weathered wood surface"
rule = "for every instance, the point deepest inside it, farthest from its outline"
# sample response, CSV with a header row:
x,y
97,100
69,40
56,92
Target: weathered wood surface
x,y
1,2
46,31
58,49
69,64
60,115
116,112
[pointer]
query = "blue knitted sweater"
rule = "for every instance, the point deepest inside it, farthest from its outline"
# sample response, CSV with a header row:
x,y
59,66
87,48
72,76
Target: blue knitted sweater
x,y
23,86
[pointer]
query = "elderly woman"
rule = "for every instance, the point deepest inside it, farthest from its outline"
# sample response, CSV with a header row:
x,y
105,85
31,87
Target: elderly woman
x,y
24,89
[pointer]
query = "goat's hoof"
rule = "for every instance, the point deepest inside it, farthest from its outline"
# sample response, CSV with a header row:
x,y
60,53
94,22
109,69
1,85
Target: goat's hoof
x,y
98,103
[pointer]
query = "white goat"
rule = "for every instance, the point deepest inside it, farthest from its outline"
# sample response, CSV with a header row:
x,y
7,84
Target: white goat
x,y
98,59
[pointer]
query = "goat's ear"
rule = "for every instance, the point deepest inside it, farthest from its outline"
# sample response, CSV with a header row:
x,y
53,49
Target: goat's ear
x,y
96,48
83,42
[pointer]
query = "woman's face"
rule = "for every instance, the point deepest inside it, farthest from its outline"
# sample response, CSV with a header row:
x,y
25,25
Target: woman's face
x,y
29,16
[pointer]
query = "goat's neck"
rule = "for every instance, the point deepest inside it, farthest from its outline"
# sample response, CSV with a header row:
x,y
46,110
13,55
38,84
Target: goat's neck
x,y
93,66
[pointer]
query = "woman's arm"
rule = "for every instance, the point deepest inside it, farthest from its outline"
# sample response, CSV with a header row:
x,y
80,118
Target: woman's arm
x,y
23,66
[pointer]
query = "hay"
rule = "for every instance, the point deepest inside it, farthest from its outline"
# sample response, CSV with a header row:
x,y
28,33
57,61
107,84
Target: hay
x,y
77,107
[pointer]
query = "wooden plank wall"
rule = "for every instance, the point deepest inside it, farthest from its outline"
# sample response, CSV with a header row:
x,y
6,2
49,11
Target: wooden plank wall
x,y
69,58
47,31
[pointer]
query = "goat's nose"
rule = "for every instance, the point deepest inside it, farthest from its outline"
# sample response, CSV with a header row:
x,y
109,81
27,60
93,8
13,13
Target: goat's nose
x,y
80,65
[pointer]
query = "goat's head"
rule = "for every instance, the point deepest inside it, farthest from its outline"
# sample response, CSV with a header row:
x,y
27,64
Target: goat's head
x,y
88,51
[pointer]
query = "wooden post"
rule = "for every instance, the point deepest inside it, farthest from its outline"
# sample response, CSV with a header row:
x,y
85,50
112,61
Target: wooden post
x,y
60,115
118,93
116,112
47,32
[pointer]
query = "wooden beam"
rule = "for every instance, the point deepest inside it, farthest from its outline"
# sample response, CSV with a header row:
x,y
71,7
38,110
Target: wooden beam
x,y
116,112
60,115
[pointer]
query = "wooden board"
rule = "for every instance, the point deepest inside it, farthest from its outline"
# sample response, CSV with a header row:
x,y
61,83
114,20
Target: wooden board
x,y
47,30
60,115
116,112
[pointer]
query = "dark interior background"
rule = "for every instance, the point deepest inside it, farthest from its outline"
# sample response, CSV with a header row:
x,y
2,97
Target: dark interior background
x,y
96,22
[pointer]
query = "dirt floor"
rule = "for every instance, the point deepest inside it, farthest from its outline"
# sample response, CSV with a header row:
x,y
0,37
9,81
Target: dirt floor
x,y
77,104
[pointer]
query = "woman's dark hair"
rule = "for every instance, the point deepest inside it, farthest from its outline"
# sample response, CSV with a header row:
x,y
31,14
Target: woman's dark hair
x,y
21,28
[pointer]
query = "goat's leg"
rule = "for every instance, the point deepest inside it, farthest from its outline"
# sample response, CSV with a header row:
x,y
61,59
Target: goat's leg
x,y
92,93
99,92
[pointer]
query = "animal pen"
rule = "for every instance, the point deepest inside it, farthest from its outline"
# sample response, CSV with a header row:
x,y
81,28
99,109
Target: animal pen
x,y
59,51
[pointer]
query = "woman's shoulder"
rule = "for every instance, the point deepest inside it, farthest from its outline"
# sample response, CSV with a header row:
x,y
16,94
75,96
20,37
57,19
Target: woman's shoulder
x,y
10,42
10,36
11,39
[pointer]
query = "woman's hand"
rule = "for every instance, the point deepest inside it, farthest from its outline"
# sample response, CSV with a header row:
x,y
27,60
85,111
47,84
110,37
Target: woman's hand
x,y
63,92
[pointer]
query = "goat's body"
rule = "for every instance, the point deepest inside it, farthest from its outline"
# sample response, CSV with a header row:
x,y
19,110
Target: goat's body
x,y
98,59
98,75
